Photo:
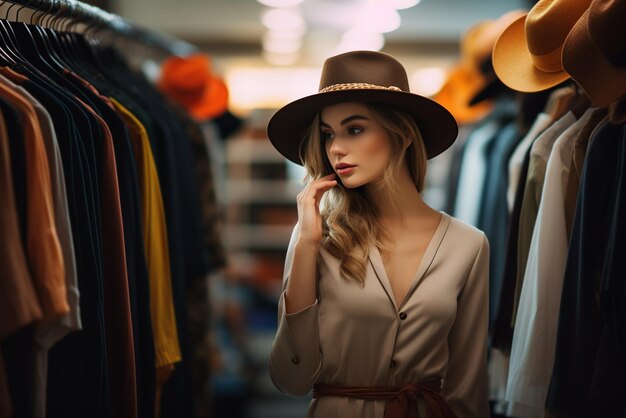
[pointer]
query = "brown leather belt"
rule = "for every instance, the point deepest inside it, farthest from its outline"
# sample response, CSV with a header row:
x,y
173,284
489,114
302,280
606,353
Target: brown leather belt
x,y
401,401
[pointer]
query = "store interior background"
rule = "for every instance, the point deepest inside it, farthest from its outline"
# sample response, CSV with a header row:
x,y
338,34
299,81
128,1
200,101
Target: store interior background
x,y
256,186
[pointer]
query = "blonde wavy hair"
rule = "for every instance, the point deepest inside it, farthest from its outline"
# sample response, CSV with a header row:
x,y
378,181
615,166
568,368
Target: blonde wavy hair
x,y
349,219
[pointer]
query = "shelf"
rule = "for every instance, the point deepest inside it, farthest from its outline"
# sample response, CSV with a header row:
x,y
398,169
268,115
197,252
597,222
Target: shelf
x,y
252,150
262,191
244,236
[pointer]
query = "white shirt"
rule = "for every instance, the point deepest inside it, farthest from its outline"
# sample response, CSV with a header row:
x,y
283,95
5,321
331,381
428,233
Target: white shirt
x,y
473,171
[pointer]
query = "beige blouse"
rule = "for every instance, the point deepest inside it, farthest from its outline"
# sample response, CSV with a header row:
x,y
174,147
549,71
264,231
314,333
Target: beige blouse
x,y
355,335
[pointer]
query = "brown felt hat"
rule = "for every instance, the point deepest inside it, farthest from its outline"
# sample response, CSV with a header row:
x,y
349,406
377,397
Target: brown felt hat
x,y
527,56
365,77
592,63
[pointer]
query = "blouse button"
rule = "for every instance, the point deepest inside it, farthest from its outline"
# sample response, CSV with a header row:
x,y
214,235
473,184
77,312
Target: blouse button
x,y
403,315
295,360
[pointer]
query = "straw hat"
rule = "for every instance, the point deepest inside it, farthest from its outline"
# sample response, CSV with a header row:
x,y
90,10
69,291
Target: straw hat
x,y
365,77
492,86
586,61
527,56
190,82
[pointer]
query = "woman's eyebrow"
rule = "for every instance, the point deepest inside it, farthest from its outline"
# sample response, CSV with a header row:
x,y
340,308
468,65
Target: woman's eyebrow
x,y
346,120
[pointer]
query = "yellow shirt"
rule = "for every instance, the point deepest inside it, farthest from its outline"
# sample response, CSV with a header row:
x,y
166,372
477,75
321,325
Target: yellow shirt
x,y
166,346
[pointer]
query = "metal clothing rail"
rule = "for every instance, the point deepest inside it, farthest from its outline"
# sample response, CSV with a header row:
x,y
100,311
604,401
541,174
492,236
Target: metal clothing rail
x,y
94,16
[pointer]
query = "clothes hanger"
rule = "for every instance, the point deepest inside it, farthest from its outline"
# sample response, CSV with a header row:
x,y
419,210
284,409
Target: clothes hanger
x,y
5,56
69,36
29,47
8,39
50,35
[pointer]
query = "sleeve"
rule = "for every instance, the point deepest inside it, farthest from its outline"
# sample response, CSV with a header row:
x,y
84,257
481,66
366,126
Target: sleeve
x,y
466,384
295,358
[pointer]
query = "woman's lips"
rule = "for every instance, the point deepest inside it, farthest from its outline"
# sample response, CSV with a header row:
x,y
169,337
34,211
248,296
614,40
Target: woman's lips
x,y
343,169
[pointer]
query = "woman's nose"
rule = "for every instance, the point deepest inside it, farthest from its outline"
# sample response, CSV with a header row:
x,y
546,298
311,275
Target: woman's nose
x,y
337,148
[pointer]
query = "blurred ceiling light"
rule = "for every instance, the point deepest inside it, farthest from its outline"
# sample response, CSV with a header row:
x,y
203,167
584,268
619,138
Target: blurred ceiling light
x,y
281,59
280,3
427,81
286,34
377,17
356,39
255,88
278,44
282,19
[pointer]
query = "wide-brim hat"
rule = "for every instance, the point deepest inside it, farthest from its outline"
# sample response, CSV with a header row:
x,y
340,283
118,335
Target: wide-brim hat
x,y
492,87
365,77
190,82
465,79
585,60
527,55
461,85
607,29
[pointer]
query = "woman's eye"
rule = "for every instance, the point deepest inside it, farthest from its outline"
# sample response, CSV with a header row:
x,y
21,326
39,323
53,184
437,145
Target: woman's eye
x,y
355,130
327,136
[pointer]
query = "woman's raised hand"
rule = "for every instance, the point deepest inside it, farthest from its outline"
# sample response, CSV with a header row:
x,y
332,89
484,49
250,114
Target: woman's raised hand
x,y
309,216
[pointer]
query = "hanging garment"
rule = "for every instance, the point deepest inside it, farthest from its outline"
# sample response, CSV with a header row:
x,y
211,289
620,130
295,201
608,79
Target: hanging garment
x,y
80,357
167,349
42,246
494,215
138,282
532,353
474,165
581,343
92,372
539,154
542,121
19,306
517,172
46,335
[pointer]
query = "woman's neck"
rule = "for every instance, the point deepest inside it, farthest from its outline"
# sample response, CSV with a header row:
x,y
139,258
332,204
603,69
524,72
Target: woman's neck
x,y
409,204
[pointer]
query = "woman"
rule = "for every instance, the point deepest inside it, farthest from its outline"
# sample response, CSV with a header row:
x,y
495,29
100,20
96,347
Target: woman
x,y
385,302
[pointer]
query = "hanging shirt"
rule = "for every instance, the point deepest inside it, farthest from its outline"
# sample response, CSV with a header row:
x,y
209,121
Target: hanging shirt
x,y
582,326
473,170
137,273
534,337
355,335
166,346
515,162
119,333
48,334
19,306
539,154
43,248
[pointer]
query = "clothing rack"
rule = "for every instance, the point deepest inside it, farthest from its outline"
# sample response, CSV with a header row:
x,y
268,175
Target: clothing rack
x,y
95,17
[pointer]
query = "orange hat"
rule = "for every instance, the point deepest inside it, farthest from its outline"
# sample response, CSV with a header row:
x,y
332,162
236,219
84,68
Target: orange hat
x,y
527,56
190,82
466,80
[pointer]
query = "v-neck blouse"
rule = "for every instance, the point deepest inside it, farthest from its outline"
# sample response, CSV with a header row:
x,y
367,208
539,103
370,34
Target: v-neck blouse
x,y
355,335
